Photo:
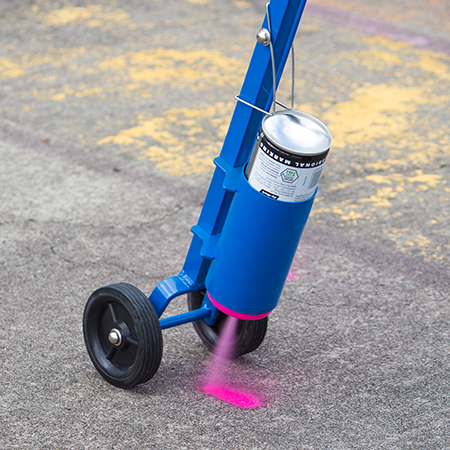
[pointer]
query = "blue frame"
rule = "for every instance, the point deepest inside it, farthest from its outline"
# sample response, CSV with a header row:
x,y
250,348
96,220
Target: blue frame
x,y
257,90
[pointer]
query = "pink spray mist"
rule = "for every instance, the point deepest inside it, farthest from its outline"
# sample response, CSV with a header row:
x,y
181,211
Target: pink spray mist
x,y
215,383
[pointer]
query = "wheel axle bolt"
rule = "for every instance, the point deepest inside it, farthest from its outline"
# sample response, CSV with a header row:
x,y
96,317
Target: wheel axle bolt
x,y
115,337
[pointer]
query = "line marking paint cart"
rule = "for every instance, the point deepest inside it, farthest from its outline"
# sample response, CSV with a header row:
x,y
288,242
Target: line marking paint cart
x,y
243,244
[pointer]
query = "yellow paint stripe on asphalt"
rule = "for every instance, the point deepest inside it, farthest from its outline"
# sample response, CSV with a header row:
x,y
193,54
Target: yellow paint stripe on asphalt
x,y
390,116
9,69
196,69
181,142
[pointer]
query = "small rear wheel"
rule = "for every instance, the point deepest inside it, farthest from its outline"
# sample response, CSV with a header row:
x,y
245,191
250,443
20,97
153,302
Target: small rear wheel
x,y
122,335
249,335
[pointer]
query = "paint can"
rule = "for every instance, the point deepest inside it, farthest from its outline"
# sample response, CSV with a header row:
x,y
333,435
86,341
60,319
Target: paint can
x,y
289,155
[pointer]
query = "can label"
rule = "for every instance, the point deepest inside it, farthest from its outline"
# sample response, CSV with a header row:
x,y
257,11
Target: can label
x,y
282,175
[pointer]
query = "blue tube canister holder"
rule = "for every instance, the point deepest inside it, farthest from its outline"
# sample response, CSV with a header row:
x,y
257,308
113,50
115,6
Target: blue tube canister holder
x,y
255,251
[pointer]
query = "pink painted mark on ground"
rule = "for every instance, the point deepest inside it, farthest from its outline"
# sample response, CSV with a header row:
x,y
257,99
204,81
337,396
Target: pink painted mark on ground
x,y
215,383
236,398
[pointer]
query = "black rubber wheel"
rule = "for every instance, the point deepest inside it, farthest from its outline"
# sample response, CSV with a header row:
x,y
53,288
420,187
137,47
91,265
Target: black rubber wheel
x,y
122,335
249,335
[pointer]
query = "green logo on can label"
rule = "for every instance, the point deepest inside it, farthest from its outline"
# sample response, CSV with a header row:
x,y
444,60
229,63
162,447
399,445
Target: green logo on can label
x,y
289,175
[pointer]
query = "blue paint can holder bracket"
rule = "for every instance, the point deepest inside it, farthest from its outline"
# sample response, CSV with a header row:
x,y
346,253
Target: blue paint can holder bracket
x,y
255,251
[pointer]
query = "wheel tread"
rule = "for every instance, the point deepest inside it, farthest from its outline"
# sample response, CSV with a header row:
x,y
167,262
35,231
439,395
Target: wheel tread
x,y
146,323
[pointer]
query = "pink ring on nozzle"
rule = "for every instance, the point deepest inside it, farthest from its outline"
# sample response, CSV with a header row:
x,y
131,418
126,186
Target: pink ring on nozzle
x,y
235,314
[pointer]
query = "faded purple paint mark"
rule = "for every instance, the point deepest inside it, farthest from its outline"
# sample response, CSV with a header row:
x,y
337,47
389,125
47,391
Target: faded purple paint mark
x,y
292,276
376,26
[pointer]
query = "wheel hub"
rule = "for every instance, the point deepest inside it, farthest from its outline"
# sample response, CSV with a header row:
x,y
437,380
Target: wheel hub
x,y
115,337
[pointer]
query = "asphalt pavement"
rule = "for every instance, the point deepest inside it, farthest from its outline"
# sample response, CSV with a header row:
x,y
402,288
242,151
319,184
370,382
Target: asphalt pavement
x,y
110,116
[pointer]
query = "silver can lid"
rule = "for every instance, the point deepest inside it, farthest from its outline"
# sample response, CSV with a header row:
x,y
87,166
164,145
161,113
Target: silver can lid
x,y
297,132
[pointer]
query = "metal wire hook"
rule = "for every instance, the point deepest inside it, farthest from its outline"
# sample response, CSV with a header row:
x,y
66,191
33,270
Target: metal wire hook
x,y
265,38
272,57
